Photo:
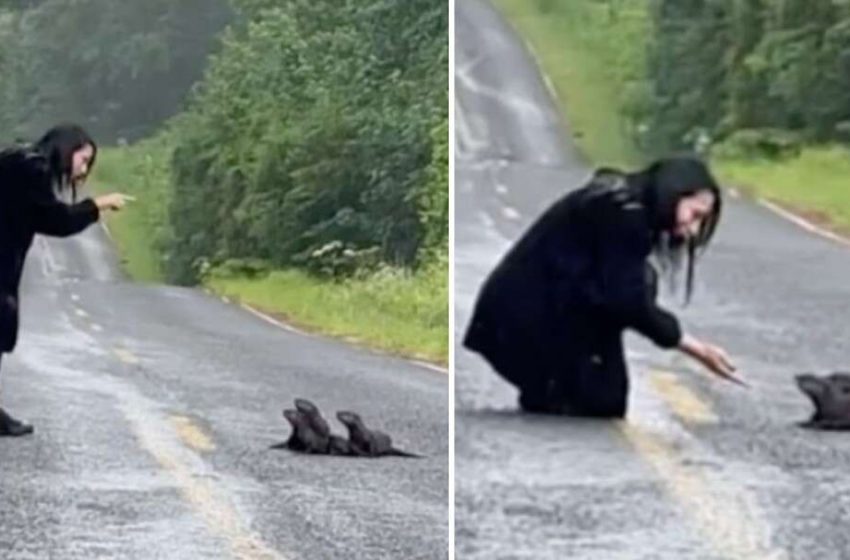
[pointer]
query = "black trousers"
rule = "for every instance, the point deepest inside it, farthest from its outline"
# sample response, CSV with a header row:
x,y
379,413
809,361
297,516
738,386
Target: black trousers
x,y
578,368
586,375
595,383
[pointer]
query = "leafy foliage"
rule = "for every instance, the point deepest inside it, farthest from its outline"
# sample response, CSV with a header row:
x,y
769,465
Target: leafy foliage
x,y
314,134
319,124
119,68
719,66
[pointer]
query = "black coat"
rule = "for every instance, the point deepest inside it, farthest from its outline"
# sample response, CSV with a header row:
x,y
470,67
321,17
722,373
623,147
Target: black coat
x,y
28,206
569,287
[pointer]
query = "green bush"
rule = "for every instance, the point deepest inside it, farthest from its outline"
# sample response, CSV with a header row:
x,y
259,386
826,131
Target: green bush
x,y
770,143
118,68
741,65
317,123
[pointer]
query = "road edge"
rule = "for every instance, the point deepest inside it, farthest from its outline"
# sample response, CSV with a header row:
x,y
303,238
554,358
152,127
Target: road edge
x,y
295,330
803,223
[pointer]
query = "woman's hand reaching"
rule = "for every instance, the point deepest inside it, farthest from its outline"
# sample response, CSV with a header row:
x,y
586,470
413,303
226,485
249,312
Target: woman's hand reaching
x,y
714,358
112,201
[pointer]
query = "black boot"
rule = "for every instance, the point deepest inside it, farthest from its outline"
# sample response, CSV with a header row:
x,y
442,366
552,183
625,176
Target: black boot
x,y
534,403
11,427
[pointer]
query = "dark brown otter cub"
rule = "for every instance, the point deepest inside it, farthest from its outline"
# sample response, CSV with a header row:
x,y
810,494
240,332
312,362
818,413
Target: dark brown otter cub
x,y
831,396
365,442
303,437
314,418
331,443
312,434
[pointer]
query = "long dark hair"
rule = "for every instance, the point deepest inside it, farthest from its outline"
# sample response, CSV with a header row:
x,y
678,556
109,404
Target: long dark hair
x,y
58,145
664,184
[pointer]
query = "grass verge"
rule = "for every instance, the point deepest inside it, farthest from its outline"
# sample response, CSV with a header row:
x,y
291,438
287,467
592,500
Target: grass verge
x,y
814,183
393,310
591,51
142,171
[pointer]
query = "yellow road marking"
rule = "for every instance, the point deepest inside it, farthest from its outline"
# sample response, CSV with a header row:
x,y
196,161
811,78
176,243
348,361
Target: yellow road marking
x,y
205,496
684,402
728,516
172,443
191,434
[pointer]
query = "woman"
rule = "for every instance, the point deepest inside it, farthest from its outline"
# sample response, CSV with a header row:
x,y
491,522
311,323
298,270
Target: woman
x,y
550,318
30,177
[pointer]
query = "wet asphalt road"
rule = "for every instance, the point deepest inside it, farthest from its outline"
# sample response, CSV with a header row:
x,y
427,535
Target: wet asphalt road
x,y
154,407
700,469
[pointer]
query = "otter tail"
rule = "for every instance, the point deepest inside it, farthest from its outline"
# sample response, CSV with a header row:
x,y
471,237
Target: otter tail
x,y
393,452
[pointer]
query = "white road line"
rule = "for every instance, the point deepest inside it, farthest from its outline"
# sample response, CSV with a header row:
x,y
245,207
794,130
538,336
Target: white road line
x,y
475,61
273,321
292,329
526,107
803,223
510,213
125,356
488,221
546,79
48,262
550,86
432,367
467,140
106,230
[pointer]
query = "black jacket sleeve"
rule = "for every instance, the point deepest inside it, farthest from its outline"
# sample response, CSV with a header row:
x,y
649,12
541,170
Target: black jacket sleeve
x,y
48,214
623,243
